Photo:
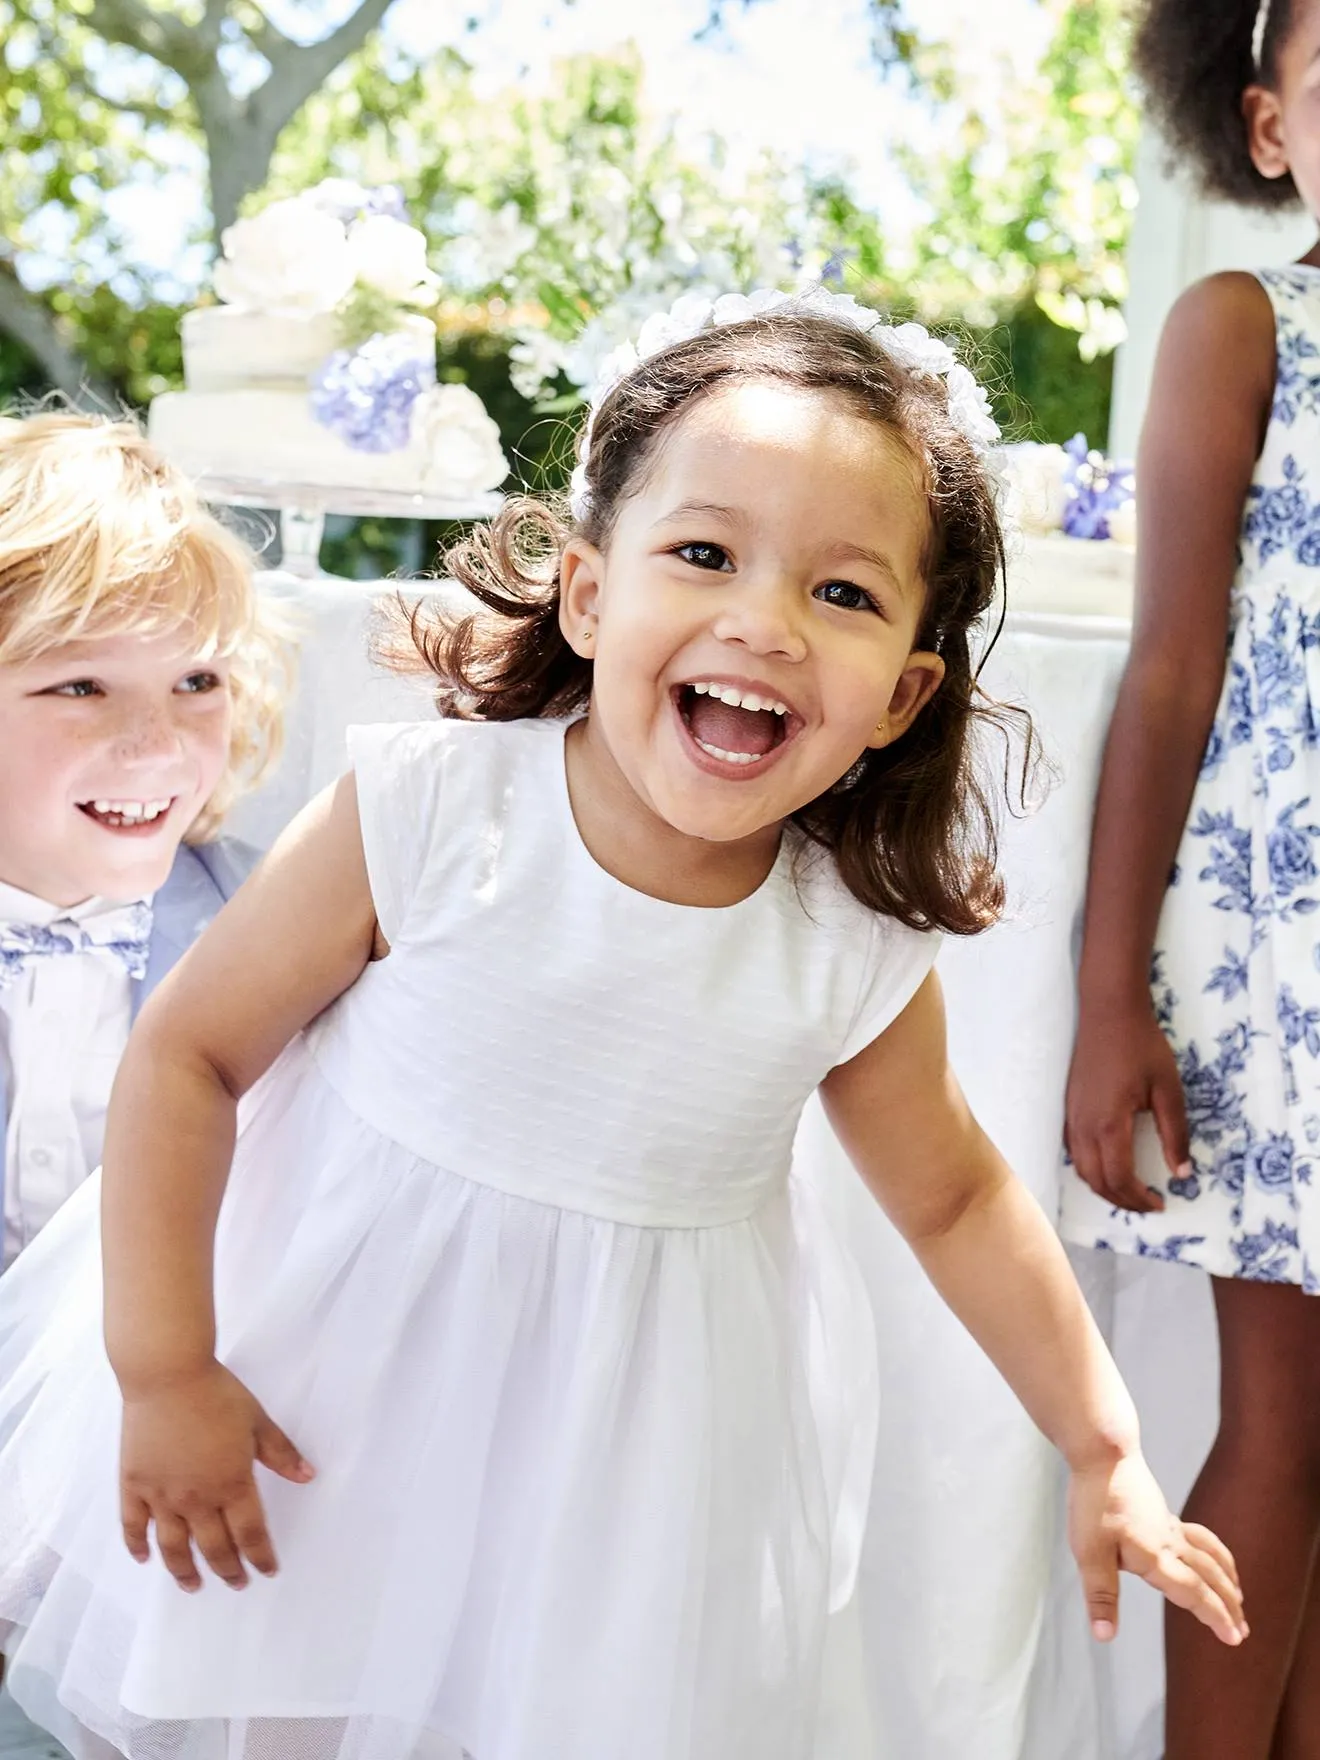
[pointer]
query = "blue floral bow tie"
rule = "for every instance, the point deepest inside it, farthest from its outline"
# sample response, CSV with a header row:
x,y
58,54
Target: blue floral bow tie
x,y
124,933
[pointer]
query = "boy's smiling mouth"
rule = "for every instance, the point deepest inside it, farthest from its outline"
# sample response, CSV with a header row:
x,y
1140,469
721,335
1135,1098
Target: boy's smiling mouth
x,y
128,815
737,728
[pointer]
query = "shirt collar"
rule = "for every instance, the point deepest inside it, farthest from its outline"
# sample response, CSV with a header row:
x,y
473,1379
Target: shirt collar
x,y
17,906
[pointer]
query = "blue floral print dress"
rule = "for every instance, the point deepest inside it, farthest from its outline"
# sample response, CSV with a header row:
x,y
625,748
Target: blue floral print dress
x,y
1236,972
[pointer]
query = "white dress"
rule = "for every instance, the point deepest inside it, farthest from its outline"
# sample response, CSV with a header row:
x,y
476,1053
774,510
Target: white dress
x,y
511,1249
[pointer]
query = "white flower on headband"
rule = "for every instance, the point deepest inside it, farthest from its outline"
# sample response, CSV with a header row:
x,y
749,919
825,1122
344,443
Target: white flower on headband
x,y
909,345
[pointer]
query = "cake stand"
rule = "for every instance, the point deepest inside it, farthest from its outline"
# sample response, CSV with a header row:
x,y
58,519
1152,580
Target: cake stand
x,y
303,507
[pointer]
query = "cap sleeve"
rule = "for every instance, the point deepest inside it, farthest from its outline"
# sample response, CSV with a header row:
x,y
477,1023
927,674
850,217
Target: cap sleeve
x,y
898,962
399,769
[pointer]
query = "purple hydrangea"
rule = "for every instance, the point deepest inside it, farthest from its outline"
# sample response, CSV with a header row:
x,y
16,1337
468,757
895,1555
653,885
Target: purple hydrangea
x,y
365,395
1096,487
349,201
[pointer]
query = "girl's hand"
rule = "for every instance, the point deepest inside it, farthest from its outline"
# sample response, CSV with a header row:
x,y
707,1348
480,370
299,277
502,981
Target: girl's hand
x,y
1122,1065
186,1465
1118,1521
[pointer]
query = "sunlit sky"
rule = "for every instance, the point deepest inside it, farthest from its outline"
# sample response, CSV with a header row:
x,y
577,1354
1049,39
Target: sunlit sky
x,y
792,74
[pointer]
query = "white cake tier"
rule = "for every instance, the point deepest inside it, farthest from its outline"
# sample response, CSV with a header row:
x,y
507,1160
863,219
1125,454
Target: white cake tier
x,y
1076,577
273,436
226,348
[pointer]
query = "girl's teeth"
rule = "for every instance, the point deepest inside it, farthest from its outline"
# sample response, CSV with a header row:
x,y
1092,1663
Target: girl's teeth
x,y
725,693
729,757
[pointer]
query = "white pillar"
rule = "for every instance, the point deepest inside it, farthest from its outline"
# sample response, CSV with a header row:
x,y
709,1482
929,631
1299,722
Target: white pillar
x,y
1176,238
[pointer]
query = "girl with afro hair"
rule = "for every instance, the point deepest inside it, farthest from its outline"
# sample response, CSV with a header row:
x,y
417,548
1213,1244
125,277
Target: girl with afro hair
x,y
1200,974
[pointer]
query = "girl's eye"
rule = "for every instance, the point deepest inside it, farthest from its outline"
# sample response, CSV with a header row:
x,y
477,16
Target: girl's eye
x,y
846,596
198,683
76,687
710,556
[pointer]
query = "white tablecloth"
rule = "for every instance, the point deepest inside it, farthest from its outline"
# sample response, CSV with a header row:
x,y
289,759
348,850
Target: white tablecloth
x,y
977,1648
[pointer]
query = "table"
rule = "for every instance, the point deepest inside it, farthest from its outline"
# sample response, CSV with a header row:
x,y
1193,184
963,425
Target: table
x,y
976,1640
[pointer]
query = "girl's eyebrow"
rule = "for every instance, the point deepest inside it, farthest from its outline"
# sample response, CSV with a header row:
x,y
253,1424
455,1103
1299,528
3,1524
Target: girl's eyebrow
x,y
704,509
875,558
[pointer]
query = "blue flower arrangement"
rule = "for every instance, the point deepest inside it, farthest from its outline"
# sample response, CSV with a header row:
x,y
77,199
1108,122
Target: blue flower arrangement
x,y
366,395
1095,488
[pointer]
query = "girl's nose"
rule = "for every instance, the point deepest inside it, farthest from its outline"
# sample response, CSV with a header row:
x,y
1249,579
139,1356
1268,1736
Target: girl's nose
x,y
764,619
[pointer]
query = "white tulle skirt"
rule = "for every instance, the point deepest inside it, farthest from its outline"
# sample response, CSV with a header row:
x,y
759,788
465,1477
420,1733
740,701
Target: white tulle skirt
x,y
585,1491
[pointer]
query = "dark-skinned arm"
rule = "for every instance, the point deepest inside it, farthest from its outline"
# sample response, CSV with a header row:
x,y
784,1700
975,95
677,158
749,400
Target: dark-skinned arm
x,y
1209,408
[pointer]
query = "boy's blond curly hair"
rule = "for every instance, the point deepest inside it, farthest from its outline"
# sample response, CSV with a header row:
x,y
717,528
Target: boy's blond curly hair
x,y
100,536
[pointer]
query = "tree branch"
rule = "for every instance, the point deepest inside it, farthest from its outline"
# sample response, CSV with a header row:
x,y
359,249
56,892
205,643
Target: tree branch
x,y
161,35
27,318
149,109
265,38
299,69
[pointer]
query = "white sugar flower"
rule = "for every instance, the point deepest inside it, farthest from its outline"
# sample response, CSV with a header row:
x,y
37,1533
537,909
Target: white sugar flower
x,y
460,442
291,258
1035,485
390,258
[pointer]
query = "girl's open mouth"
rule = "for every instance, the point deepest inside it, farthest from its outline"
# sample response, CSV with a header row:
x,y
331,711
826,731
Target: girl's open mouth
x,y
141,817
739,731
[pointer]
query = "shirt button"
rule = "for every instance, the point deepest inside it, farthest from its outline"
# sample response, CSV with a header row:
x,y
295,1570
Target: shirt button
x,y
40,1158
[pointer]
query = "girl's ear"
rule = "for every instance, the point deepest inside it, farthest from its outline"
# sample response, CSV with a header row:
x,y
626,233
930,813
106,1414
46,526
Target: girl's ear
x,y
1263,114
581,569
921,678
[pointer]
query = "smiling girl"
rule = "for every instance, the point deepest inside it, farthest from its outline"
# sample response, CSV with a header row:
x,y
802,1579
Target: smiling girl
x,y
137,695
490,1079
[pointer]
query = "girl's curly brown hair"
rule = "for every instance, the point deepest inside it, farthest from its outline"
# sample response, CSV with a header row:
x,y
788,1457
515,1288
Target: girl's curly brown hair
x,y
911,826
1193,58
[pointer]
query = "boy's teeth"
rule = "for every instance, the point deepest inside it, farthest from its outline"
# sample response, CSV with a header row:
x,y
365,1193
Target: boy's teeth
x,y
139,810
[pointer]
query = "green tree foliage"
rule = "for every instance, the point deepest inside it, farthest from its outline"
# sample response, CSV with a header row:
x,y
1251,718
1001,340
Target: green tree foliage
x,y
550,212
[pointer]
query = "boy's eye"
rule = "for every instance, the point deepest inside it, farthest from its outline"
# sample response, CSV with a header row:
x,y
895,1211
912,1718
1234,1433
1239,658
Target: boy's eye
x,y
76,687
846,596
197,683
711,556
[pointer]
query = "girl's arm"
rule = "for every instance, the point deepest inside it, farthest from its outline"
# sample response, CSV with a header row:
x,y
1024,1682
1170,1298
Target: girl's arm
x,y
986,1245
1209,408
293,938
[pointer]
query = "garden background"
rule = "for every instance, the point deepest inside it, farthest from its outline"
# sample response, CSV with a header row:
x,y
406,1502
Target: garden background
x,y
982,181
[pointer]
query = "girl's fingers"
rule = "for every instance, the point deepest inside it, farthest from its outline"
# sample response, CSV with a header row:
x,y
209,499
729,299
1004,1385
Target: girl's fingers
x,y
1186,1588
1170,1109
246,1523
1210,1571
213,1540
1122,1187
1099,1570
173,1544
1206,1541
134,1516
276,1451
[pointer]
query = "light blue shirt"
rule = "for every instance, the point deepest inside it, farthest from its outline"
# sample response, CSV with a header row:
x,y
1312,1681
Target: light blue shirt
x,y
202,878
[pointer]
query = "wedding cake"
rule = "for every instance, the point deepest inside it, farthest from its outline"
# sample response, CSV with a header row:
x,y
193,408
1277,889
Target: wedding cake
x,y
1072,514
318,365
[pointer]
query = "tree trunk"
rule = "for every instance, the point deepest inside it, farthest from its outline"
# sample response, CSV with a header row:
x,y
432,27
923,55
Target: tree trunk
x,y
238,159
27,318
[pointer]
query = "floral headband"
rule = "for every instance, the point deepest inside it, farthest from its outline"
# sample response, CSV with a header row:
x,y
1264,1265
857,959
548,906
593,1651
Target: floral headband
x,y
1258,31
907,344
